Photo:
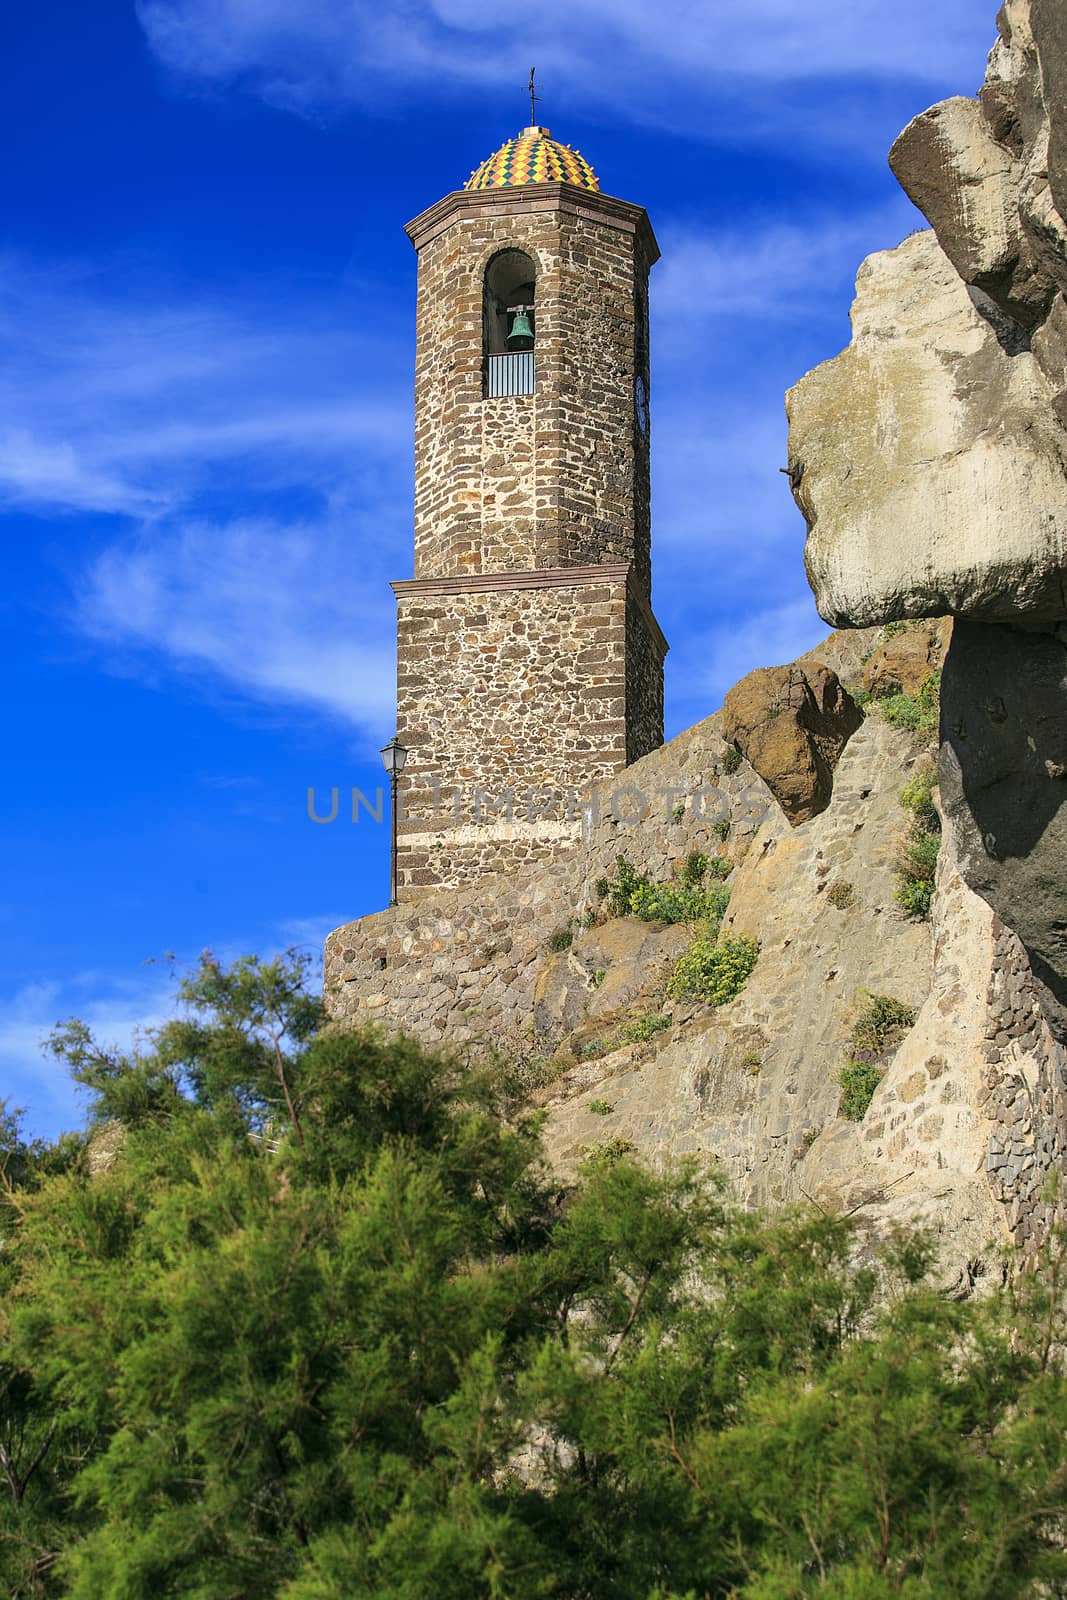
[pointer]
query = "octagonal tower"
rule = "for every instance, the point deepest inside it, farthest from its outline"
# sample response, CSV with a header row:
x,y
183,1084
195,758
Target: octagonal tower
x,y
529,662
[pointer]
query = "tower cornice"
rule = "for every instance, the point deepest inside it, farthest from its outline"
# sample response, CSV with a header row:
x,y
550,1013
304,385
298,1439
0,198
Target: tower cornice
x,y
471,204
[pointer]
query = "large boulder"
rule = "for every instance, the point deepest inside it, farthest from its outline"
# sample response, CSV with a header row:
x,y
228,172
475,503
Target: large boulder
x,y
930,460
931,466
791,724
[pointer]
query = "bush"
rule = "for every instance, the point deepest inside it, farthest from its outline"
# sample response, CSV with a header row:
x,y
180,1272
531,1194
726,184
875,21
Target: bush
x,y
731,761
562,939
641,1029
601,1108
916,872
858,1080
916,863
880,1024
714,971
918,797
841,894
689,900
918,713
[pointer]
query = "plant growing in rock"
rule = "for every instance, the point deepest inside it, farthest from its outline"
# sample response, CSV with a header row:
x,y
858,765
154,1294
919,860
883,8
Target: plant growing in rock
x,y
691,899
639,1030
878,1027
841,895
561,940
714,970
731,761
601,1108
916,713
916,862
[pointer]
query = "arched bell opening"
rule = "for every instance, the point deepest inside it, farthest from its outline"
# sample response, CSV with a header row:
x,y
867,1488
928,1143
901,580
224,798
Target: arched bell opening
x,y
509,321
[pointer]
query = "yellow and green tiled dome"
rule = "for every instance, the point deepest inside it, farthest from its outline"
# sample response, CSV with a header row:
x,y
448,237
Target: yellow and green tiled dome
x,y
533,156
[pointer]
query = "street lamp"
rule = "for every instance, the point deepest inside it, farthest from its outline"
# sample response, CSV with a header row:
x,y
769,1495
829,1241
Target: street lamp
x,y
393,758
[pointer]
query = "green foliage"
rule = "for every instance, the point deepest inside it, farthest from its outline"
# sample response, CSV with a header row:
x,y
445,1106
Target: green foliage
x,y
601,1157
639,1030
678,811
714,970
731,761
751,1062
239,1364
841,894
917,796
918,713
916,862
598,977
601,1108
858,1080
879,1025
561,940
722,829
691,899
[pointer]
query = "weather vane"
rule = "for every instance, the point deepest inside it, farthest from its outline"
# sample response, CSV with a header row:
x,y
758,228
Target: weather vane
x,y
534,98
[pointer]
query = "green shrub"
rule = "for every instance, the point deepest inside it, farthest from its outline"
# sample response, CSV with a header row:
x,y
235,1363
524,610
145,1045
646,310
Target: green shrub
x,y
858,1080
916,863
689,900
917,713
562,939
641,1029
605,1155
601,1108
751,1062
731,761
916,872
880,1024
722,829
918,796
714,970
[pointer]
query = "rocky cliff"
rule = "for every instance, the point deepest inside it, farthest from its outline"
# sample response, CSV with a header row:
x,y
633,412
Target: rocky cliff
x,y
931,465
889,1038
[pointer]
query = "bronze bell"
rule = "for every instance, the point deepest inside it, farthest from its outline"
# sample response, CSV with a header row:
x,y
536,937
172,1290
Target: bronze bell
x,y
521,336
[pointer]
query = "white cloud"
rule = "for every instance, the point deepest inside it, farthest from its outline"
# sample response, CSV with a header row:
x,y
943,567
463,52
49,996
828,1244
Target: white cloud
x,y
700,61
769,269
287,613
132,403
117,1009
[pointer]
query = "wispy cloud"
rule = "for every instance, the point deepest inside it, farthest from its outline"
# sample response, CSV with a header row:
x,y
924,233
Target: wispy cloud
x,y
286,613
117,1009
701,60
132,403
198,425
770,269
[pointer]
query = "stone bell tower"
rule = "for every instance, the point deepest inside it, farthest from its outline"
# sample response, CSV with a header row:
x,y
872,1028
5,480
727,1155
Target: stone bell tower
x,y
529,662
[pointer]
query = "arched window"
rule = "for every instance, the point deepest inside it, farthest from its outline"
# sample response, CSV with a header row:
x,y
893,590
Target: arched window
x,y
509,322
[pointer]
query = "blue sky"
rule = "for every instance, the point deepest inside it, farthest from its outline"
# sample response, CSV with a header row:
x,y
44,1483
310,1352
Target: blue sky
x,y
206,313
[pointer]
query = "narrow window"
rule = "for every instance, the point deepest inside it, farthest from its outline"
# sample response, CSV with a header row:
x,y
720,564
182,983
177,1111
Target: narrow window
x,y
509,324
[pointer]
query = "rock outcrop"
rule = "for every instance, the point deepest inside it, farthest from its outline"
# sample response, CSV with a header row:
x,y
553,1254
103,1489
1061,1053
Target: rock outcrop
x,y
930,460
792,725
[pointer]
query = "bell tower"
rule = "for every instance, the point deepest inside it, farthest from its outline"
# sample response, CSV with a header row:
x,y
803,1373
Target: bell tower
x,y
529,663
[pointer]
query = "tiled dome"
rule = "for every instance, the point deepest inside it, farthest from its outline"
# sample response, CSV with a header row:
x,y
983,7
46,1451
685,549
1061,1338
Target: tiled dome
x,y
533,156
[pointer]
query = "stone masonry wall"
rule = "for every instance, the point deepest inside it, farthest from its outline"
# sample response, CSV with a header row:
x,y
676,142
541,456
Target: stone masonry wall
x,y
645,650
559,477
1024,1093
461,961
512,703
